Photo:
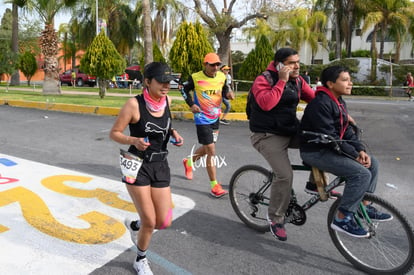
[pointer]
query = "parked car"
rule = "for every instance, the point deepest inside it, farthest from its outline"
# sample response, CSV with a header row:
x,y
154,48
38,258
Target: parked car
x,y
81,78
134,72
174,83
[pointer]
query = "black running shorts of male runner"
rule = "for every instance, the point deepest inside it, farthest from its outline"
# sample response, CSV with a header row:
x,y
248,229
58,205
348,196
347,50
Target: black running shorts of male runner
x,y
205,133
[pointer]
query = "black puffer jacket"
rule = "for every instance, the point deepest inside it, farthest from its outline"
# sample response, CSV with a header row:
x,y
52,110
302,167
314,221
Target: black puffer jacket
x,y
323,115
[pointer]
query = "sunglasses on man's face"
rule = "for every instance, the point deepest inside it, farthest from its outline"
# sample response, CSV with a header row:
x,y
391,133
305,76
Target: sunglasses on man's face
x,y
214,65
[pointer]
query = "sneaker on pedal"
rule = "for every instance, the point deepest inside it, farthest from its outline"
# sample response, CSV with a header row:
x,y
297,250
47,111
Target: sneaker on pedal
x,y
278,231
188,170
312,189
217,191
375,214
142,267
349,227
133,229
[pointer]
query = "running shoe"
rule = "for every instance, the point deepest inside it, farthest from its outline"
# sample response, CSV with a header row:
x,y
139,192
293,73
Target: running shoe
x,y
142,267
375,214
217,191
224,121
349,227
278,231
188,169
133,231
312,189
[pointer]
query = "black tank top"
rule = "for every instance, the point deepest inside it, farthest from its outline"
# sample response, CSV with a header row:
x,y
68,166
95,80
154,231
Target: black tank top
x,y
157,129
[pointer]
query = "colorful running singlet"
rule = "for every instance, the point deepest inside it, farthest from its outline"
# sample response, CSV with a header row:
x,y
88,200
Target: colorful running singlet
x,y
207,95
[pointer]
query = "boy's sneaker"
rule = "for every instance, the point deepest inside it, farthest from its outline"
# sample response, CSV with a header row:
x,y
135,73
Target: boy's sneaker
x,y
224,121
312,189
188,169
349,226
278,231
142,267
217,191
377,215
133,231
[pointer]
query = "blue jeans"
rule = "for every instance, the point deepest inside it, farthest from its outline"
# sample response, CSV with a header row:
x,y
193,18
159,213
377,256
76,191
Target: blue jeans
x,y
227,104
359,179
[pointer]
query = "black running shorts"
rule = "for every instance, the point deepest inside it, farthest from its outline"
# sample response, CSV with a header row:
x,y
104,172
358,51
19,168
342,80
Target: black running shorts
x,y
207,134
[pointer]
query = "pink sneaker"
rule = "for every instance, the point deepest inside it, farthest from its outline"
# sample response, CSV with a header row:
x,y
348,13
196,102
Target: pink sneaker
x,y
217,191
188,170
278,231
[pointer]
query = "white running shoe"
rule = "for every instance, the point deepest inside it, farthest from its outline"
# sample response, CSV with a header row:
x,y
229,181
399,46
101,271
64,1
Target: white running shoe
x,y
132,232
142,267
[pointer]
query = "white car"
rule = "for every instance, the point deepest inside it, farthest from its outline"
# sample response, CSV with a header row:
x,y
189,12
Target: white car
x,y
174,83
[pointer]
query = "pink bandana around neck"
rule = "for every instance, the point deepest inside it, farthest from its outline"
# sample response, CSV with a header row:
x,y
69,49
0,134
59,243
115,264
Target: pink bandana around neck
x,y
154,106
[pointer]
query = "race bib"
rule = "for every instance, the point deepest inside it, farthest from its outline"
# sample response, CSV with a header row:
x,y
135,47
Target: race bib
x,y
215,135
130,165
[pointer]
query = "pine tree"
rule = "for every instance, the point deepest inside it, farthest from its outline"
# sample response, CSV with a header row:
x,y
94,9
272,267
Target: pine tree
x,y
189,48
103,61
28,65
257,60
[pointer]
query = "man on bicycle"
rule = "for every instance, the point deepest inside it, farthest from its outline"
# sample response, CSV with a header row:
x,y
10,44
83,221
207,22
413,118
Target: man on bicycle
x,y
328,114
273,102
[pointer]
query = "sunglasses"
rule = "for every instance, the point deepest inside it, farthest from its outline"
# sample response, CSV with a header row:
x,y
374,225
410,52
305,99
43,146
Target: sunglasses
x,y
214,65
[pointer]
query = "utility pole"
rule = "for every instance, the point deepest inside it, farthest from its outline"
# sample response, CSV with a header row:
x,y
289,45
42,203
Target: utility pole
x,y
97,17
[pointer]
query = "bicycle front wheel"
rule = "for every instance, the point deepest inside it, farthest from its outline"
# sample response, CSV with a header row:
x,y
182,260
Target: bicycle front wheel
x,y
388,250
249,194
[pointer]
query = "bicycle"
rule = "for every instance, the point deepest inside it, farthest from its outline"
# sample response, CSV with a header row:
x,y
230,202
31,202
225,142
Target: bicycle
x,y
387,250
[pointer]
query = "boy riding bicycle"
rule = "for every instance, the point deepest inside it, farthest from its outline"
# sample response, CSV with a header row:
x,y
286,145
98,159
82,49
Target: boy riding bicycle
x,y
327,114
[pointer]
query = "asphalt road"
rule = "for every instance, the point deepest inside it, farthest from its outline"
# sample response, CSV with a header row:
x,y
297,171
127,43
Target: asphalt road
x,y
210,239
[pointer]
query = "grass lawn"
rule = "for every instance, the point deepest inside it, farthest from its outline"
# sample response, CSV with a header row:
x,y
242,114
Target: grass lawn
x,y
26,93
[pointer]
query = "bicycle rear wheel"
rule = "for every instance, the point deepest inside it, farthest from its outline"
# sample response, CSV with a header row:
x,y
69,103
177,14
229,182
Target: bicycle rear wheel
x,y
249,194
389,249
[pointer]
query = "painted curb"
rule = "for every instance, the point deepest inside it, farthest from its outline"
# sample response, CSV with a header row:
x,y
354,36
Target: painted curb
x,y
109,111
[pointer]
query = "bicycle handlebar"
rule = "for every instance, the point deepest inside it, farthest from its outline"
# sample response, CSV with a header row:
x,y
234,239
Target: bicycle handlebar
x,y
326,139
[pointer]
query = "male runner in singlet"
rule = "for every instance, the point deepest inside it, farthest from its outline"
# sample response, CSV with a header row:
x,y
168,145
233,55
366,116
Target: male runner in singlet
x,y
208,86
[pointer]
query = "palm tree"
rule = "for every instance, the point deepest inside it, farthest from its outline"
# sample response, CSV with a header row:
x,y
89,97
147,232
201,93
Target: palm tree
x,y
68,41
121,22
122,28
168,16
16,4
146,11
295,27
392,18
317,23
47,10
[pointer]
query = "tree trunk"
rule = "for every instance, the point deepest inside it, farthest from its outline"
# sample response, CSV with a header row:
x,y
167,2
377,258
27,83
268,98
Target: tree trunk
x,y
224,48
383,36
146,10
102,87
374,55
349,35
51,81
49,46
15,78
349,6
338,49
397,49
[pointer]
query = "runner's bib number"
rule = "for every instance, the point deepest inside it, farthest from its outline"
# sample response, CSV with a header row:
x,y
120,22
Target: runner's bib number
x,y
130,165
